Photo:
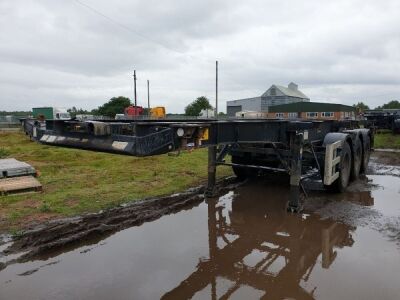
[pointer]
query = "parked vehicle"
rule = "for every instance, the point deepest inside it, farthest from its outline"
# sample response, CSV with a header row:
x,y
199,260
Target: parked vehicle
x,y
50,113
138,112
133,111
247,114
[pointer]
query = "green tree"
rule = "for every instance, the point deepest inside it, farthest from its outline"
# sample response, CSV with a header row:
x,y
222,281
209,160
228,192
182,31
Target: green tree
x,y
115,105
394,104
194,108
361,106
73,111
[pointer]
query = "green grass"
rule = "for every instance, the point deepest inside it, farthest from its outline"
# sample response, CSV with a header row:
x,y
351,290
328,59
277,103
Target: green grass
x,y
4,153
387,140
78,181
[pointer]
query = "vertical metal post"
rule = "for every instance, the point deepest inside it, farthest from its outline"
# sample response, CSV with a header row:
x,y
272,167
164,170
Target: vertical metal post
x,y
216,89
148,97
212,169
134,86
296,150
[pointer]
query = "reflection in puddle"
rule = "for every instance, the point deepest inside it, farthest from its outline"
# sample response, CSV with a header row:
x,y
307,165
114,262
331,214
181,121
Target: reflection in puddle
x,y
273,252
240,246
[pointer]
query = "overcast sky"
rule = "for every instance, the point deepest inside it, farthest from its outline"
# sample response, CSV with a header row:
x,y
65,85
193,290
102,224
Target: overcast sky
x,y
64,54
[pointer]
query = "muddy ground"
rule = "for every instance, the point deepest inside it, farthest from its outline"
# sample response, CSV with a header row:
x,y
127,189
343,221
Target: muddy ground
x,y
65,233
58,234
386,157
241,243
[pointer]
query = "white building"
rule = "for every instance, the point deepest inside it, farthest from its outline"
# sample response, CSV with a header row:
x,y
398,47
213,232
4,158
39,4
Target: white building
x,y
275,95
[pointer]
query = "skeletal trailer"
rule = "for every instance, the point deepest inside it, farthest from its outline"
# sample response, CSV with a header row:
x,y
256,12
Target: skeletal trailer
x,y
376,119
333,152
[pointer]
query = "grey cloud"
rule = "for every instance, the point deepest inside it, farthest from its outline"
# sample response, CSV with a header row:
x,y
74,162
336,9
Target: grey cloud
x,y
63,53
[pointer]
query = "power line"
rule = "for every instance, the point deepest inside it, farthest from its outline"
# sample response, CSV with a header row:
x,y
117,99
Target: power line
x,y
123,26
115,22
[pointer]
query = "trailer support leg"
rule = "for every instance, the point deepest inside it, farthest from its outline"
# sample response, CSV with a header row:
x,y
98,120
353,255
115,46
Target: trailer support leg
x,y
296,149
212,170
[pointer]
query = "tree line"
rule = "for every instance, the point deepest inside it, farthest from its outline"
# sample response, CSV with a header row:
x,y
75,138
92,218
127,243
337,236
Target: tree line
x,y
116,105
394,104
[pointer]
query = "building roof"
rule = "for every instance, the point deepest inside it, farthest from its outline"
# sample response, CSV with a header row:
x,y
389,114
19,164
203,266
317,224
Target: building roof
x,y
235,102
311,107
287,91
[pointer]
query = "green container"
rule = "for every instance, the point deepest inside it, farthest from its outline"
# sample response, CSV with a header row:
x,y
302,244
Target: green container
x,y
46,112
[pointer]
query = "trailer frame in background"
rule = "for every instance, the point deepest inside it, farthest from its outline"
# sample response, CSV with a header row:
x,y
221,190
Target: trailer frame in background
x,y
383,119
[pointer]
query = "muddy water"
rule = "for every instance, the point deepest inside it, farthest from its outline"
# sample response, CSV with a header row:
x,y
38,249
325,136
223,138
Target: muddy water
x,y
242,245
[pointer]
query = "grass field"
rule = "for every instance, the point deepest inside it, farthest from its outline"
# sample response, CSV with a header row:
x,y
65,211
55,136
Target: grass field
x,y
387,140
78,181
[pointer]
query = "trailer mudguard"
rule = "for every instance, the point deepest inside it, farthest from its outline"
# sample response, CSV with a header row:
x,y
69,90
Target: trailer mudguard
x,y
333,137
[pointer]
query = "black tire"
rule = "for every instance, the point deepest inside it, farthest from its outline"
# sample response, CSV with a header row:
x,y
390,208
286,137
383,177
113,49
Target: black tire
x,y
357,159
243,173
340,184
366,154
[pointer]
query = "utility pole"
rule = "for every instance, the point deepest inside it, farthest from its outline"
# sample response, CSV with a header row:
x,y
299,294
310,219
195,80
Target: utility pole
x,y
134,86
148,97
216,88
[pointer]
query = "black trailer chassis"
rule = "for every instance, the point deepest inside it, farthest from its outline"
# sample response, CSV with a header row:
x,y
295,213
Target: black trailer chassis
x,y
333,152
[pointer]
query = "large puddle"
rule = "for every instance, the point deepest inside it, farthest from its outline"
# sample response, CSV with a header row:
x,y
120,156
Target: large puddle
x,y
242,245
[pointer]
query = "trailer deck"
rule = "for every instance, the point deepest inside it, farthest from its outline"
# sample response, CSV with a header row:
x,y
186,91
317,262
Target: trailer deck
x,y
333,151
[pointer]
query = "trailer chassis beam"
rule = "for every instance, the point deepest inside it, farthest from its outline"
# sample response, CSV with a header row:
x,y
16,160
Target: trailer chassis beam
x,y
223,152
253,167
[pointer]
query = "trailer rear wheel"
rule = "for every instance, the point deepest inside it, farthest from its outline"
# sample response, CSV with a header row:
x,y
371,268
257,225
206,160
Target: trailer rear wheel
x,y
366,154
345,164
357,159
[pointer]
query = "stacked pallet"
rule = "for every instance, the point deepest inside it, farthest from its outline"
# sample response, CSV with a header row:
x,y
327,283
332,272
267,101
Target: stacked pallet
x,y
17,177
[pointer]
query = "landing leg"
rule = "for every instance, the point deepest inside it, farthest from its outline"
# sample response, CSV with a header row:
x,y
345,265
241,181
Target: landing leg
x,y
212,170
296,149
295,204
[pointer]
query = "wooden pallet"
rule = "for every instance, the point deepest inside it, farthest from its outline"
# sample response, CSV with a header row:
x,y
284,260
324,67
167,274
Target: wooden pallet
x,y
19,185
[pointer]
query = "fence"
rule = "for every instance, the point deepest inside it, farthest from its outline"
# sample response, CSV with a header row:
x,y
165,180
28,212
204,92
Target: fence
x,y
9,122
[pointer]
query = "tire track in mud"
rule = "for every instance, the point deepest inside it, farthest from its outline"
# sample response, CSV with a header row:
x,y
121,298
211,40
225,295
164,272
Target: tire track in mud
x,y
356,215
345,208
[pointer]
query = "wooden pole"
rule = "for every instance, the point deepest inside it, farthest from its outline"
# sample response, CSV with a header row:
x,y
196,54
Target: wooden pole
x,y
216,89
134,86
148,97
